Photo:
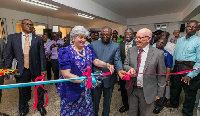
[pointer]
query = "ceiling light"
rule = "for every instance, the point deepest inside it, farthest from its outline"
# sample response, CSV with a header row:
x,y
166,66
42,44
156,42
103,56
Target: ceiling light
x,y
43,4
85,16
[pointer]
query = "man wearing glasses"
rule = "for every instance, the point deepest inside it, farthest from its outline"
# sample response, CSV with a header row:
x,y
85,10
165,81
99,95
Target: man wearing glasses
x,y
28,49
107,51
144,89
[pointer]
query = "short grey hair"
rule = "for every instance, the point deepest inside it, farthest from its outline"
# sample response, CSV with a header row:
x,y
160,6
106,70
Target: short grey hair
x,y
78,30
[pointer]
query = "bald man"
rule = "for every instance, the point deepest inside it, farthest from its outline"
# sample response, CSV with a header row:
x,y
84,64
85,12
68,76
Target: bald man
x,y
144,89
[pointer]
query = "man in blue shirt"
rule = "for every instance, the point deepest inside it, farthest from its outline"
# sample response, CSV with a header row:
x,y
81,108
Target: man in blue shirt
x,y
186,56
161,43
107,51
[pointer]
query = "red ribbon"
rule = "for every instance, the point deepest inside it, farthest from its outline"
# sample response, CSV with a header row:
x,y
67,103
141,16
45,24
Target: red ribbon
x,y
127,77
88,74
36,96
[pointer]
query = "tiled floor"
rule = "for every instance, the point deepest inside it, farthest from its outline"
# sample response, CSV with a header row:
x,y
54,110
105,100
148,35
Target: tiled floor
x,y
9,103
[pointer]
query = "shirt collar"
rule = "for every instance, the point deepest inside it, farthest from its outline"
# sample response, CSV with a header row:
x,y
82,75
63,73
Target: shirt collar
x,y
30,34
130,42
190,37
145,49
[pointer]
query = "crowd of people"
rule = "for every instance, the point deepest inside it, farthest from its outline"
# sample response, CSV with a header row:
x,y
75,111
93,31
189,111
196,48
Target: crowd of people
x,y
147,57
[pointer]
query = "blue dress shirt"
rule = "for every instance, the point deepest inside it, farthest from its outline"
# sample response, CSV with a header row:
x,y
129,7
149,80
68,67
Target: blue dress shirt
x,y
188,50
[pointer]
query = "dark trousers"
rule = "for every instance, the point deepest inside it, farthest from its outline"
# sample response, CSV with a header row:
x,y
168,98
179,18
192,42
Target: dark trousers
x,y
1,83
48,70
160,102
54,64
123,92
190,90
107,94
24,92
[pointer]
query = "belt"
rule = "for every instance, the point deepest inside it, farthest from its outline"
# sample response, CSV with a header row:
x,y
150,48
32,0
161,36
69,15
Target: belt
x,y
139,87
188,63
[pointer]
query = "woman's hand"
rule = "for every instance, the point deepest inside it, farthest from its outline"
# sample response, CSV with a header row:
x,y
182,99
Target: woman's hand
x,y
110,67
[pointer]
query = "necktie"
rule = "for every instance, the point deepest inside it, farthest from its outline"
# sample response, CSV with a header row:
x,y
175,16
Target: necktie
x,y
127,47
26,51
138,63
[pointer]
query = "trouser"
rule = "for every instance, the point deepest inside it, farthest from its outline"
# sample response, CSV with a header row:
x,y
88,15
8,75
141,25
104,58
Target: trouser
x,y
55,68
123,92
160,102
24,92
190,90
1,83
48,70
137,101
107,94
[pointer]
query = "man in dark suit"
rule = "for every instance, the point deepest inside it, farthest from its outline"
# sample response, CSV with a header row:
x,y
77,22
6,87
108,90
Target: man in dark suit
x,y
28,49
124,46
110,53
144,89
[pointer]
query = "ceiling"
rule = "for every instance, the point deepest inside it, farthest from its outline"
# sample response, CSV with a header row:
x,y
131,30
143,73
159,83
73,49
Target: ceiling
x,y
125,8
142,8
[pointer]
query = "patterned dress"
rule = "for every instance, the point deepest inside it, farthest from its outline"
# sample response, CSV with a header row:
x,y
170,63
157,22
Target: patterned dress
x,y
73,97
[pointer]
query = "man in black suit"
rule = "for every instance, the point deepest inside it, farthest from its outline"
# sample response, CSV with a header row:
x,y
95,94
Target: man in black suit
x,y
28,49
124,46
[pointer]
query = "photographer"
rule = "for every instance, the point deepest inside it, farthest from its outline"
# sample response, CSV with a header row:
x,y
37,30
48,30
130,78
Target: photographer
x,y
52,51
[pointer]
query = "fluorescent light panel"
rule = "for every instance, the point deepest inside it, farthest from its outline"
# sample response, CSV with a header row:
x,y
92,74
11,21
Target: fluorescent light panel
x,y
85,16
40,3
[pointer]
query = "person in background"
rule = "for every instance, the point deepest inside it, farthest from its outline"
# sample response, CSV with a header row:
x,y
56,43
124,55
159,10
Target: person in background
x,y
60,36
73,61
96,36
156,36
168,63
120,39
114,39
52,52
186,57
28,49
107,51
176,34
46,40
124,46
115,33
144,89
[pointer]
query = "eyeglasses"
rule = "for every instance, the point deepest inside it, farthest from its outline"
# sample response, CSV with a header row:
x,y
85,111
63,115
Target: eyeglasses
x,y
139,38
105,35
191,26
27,24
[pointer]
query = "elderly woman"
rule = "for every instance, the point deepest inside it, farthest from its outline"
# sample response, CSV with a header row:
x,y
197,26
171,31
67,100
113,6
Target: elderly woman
x,y
73,61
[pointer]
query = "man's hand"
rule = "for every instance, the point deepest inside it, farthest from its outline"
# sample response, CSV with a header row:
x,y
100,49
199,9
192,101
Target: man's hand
x,y
43,73
157,98
52,46
122,73
186,79
110,67
133,72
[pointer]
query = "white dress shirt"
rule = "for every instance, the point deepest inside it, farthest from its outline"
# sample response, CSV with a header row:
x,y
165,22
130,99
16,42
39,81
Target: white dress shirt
x,y
142,64
129,45
23,39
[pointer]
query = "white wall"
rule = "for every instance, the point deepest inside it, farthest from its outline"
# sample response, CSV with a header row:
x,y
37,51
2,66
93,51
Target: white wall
x,y
13,15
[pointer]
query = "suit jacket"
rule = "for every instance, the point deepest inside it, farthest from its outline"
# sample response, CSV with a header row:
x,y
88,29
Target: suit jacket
x,y
2,53
152,85
37,60
122,50
109,53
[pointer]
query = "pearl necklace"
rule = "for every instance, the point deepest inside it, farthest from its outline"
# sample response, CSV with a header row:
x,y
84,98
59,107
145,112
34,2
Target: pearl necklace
x,y
78,51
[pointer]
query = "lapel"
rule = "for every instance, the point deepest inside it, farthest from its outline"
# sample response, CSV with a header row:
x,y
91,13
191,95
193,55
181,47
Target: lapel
x,y
134,44
149,57
135,58
19,39
33,41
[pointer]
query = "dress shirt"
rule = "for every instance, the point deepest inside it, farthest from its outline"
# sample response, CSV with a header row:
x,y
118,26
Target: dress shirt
x,y
142,64
23,39
54,52
129,45
188,50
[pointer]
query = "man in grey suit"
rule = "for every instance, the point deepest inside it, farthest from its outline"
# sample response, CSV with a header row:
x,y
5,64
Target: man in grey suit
x,y
28,49
109,52
144,89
